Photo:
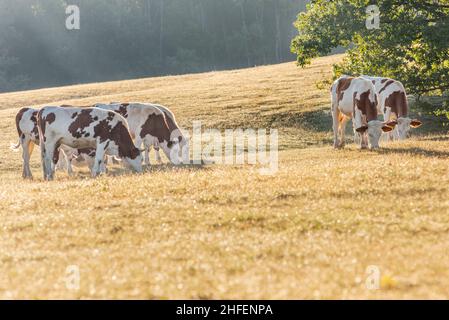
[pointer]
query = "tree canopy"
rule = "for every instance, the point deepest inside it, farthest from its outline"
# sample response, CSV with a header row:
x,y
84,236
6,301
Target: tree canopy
x,y
411,43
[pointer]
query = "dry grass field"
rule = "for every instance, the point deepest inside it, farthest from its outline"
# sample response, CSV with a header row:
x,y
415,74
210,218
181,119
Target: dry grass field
x,y
217,232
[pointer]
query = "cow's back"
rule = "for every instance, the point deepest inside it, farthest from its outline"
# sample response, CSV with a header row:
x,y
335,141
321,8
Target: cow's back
x,y
26,123
346,91
391,94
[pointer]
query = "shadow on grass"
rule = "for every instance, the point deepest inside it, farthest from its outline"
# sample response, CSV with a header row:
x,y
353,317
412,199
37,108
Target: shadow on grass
x,y
120,171
436,138
316,120
415,151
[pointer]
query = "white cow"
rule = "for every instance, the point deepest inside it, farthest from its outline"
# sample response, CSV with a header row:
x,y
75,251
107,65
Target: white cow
x,y
355,98
393,104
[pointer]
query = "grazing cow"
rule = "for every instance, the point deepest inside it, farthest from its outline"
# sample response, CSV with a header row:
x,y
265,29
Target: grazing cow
x,y
148,125
175,133
26,123
80,128
355,98
393,105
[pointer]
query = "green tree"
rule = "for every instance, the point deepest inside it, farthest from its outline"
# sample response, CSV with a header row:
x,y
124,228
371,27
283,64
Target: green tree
x,y
411,45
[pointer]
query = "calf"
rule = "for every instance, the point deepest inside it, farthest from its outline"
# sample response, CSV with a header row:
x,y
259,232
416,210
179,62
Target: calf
x,y
355,98
149,125
78,158
80,128
393,105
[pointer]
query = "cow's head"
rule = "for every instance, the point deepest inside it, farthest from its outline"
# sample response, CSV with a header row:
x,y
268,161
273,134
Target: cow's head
x,y
374,130
171,150
404,125
133,160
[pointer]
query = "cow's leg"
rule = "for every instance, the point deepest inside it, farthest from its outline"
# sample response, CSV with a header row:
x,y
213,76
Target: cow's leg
x,y
356,134
61,165
157,151
27,149
44,168
364,139
343,121
48,156
387,118
30,152
147,144
147,156
395,134
69,160
103,165
90,162
138,143
336,124
99,158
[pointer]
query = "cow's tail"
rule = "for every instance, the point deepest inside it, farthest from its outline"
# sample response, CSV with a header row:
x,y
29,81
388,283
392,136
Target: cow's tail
x,y
15,147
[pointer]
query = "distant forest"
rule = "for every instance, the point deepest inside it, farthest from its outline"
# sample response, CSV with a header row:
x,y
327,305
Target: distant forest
x,y
123,39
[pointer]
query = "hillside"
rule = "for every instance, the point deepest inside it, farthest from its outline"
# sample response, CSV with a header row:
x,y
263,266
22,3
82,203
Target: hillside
x,y
216,231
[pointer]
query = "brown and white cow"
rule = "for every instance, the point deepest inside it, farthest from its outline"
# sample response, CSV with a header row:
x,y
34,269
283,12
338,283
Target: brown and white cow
x,y
26,124
393,104
79,128
175,133
355,98
148,125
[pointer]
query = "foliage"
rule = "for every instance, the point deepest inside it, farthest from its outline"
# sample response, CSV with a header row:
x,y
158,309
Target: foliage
x,y
412,43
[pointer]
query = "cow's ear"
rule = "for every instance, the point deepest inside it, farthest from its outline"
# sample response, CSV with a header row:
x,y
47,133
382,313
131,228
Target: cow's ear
x,y
362,129
415,123
387,128
392,124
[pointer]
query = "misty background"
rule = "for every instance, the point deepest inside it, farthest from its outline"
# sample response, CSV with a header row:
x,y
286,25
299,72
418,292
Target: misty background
x,y
125,39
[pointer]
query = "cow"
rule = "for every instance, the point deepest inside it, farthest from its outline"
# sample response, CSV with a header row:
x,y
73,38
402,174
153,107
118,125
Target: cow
x,y
79,128
175,132
355,98
393,105
148,125
26,124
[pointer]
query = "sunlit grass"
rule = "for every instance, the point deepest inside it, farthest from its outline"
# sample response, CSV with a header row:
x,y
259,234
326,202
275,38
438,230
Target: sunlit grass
x,y
216,231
